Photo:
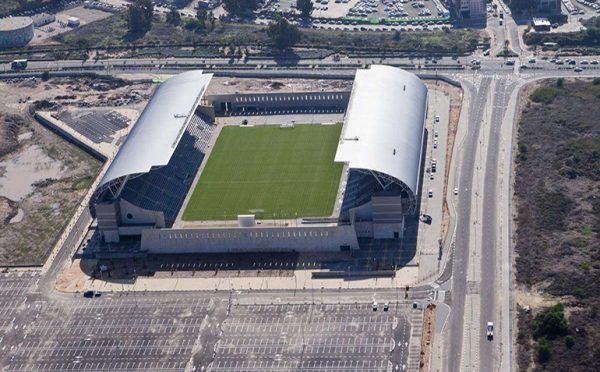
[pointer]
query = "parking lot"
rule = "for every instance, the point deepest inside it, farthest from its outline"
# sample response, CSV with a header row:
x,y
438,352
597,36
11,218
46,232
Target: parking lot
x,y
142,333
154,331
344,337
385,15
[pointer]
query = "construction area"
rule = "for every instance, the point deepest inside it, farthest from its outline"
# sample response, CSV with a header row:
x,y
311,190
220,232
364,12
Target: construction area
x,y
43,176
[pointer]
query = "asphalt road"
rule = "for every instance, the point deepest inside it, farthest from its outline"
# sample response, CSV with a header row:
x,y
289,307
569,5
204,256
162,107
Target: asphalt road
x,y
476,107
34,320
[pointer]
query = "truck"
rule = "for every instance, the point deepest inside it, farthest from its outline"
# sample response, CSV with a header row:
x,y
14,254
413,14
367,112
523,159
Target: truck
x,y
19,64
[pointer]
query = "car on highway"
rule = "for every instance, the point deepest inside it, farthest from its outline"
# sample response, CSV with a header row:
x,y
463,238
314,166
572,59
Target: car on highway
x,y
594,62
489,330
430,193
578,69
532,60
510,62
456,191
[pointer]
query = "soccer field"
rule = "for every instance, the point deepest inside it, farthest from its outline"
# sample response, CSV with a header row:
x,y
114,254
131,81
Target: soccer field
x,y
269,171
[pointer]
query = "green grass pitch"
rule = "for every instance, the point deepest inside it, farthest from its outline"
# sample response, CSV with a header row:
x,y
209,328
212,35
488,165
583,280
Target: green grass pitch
x,y
269,171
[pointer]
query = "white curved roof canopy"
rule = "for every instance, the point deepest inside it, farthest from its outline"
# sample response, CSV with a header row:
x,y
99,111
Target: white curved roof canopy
x,y
159,128
384,124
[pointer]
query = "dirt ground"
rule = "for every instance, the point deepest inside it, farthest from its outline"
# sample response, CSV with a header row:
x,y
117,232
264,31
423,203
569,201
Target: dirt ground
x,y
42,176
225,85
557,216
427,339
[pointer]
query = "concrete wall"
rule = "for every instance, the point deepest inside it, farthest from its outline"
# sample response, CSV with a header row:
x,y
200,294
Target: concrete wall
x,y
17,37
388,230
255,239
265,102
133,215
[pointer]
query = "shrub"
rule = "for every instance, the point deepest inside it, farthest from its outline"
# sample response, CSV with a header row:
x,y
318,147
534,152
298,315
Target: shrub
x,y
560,82
543,350
550,323
544,95
596,81
569,342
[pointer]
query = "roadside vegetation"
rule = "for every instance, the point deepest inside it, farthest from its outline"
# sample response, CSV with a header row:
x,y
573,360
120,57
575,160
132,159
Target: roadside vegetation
x,y
7,7
588,39
207,32
558,225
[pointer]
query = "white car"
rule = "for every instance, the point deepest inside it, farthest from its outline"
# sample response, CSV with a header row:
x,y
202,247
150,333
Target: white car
x,y
489,330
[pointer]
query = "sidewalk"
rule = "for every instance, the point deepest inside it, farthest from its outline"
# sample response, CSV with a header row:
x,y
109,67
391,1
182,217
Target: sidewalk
x,y
73,280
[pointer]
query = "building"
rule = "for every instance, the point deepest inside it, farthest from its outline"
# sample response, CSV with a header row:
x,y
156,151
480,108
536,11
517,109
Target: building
x,y
382,144
43,19
381,147
73,22
15,32
474,10
541,24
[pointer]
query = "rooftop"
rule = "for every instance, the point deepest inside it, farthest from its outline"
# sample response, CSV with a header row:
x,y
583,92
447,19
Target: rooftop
x,y
8,24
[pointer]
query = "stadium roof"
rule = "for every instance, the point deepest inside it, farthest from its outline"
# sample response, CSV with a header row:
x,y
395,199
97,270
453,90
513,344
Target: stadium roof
x,y
157,132
384,124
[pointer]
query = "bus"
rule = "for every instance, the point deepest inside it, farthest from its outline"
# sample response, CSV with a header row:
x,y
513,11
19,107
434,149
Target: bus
x,y
19,64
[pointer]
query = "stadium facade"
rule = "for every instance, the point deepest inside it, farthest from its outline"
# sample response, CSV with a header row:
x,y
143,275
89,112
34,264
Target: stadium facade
x,y
144,190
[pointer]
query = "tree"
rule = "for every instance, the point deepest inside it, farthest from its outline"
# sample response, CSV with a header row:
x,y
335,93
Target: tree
x,y
550,323
283,34
211,21
201,16
173,17
240,7
139,16
305,7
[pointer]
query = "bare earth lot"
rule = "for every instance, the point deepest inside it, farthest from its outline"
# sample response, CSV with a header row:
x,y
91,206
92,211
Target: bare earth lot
x,y
557,239
42,176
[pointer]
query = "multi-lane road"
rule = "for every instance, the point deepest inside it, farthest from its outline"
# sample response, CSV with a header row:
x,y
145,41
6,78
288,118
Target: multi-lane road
x,y
479,287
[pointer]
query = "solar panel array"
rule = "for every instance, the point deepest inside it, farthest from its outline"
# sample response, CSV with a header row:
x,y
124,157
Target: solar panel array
x,y
96,126
164,189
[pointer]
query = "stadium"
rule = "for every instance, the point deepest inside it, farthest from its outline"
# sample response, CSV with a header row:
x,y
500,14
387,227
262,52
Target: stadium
x,y
181,183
